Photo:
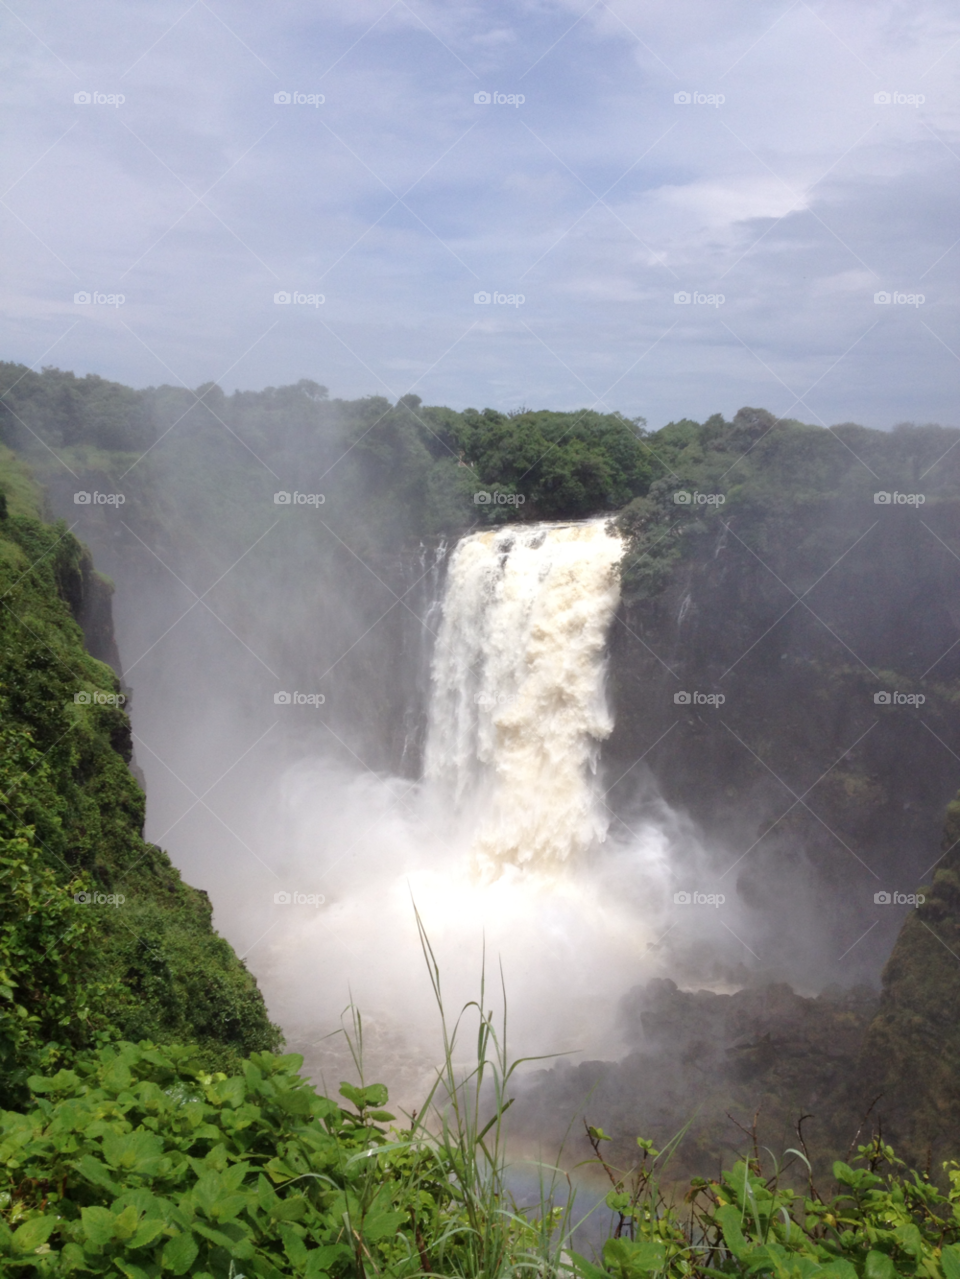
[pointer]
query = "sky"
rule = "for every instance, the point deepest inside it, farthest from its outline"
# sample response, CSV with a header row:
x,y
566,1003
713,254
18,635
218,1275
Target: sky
x,y
587,166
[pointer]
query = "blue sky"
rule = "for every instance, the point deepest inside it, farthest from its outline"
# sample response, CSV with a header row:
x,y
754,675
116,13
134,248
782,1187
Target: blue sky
x,y
797,198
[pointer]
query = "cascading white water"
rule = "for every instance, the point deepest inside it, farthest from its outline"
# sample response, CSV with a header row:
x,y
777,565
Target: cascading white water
x,y
517,717
518,709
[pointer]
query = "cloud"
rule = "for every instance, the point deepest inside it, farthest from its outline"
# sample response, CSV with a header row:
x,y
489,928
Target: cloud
x,y
400,196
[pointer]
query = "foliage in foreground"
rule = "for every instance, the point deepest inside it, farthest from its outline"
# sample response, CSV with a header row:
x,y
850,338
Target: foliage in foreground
x,y
139,1163
881,1221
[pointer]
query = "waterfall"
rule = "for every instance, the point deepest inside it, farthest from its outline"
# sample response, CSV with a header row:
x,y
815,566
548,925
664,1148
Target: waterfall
x,y
518,707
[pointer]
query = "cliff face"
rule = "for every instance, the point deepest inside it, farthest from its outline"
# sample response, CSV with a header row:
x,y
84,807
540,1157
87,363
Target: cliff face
x,y
911,1057
798,600
99,936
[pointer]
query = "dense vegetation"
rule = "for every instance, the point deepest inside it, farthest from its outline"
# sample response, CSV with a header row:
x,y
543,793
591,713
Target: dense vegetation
x,y
76,972
417,467
151,1128
140,1163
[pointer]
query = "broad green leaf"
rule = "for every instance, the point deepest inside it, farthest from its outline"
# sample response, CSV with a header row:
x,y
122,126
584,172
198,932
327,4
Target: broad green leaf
x,y
228,1092
352,1094
267,1198
72,1258
633,1258
138,1152
117,1077
878,1266
950,1261
728,1219
838,1269
148,1232
208,1190
96,1173
586,1268
327,1255
179,1253
235,1241
33,1233
297,1101
381,1225
375,1095
289,1208
129,1269
910,1239
845,1174
234,1175
125,1226
293,1246
97,1225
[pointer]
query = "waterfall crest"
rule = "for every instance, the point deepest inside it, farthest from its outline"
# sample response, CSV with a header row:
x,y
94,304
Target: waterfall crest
x,y
518,706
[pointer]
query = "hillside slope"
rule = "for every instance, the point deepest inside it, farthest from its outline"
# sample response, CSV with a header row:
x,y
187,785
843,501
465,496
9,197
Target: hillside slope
x,y
99,936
